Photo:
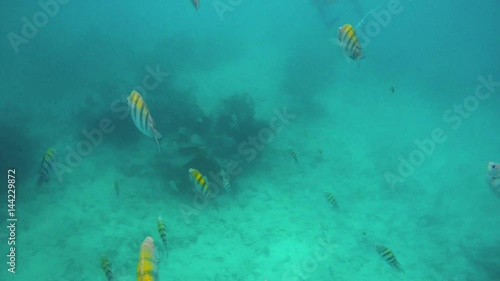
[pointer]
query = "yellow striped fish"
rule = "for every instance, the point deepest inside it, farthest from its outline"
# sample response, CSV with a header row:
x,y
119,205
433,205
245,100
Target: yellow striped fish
x,y
162,231
388,256
106,267
142,117
225,180
47,166
147,267
331,199
200,183
349,42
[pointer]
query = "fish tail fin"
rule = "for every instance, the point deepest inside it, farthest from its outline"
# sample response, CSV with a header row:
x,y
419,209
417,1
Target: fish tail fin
x,y
156,137
399,268
40,181
360,57
158,144
163,252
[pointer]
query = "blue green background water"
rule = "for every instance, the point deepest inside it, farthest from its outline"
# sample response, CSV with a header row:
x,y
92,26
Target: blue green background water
x,y
228,74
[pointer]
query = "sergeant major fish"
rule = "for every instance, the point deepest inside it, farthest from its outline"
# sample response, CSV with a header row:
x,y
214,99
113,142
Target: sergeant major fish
x,y
200,183
163,232
106,267
47,166
293,154
386,254
142,117
147,267
349,42
225,180
331,199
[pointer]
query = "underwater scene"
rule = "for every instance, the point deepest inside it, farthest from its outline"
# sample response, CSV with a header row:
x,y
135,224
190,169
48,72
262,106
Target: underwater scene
x,y
217,140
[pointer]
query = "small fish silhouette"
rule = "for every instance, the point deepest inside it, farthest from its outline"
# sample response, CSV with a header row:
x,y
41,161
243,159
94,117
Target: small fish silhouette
x,y
163,232
331,199
225,180
387,255
117,189
293,154
106,267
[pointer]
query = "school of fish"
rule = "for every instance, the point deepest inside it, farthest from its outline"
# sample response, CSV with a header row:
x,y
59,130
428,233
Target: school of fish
x,y
148,261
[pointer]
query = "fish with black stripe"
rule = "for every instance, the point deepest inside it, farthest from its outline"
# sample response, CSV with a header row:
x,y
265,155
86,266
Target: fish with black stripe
x,y
349,42
293,154
331,199
147,267
47,166
388,256
142,117
106,267
225,180
200,183
163,232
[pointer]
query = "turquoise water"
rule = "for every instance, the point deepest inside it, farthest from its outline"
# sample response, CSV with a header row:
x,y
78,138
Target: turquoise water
x,y
401,138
